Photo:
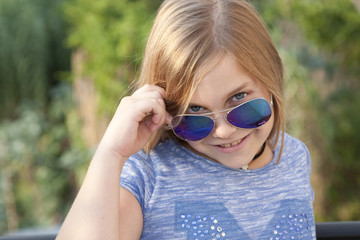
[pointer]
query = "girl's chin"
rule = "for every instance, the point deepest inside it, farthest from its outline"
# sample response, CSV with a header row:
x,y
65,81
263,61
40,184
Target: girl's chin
x,y
236,164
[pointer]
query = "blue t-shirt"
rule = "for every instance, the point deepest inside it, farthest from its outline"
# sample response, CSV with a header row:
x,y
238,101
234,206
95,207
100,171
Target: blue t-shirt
x,y
186,196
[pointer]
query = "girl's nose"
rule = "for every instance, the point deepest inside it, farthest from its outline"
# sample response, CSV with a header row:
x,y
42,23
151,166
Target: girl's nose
x,y
222,128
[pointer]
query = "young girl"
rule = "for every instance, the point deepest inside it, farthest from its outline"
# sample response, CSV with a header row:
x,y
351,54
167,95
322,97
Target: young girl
x,y
200,146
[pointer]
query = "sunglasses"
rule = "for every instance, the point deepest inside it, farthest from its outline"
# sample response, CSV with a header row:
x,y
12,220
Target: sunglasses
x,y
249,115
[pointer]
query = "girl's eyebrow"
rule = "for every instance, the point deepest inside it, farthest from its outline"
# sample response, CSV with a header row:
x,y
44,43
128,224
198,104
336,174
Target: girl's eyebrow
x,y
239,89
229,95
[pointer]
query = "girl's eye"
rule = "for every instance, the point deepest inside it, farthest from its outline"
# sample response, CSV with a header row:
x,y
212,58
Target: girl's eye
x,y
194,109
239,96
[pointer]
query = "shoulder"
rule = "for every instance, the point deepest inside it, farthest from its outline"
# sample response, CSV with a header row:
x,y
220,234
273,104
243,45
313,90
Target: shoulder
x,y
148,163
140,170
161,151
295,152
293,145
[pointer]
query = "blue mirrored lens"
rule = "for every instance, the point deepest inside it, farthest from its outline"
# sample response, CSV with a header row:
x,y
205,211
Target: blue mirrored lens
x,y
192,128
252,114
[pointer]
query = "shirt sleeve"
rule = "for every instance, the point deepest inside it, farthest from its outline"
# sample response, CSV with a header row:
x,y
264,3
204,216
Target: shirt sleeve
x,y
307,162
138,177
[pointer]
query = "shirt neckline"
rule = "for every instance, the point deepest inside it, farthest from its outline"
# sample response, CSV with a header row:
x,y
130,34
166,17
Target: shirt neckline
x,y
185,153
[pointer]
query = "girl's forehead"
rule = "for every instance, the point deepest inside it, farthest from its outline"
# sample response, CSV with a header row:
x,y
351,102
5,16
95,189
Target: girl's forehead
x,y
222,81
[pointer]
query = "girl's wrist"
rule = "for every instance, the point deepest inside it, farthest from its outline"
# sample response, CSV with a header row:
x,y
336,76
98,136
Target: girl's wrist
x,y
106,154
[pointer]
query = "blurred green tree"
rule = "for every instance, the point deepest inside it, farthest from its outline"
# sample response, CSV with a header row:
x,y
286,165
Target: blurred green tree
x,y
31,51
112,36
41,150
40,161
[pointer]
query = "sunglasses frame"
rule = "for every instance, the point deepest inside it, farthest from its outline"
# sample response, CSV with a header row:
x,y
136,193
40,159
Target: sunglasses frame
x,y
207,115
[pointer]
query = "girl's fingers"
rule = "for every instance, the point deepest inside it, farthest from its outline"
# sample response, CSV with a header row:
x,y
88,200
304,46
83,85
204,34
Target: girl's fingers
x,y
158,112
152,98
138,116
168,118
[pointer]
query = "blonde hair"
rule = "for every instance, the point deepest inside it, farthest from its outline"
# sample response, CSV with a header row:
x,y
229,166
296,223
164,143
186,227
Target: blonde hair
x,y
187,35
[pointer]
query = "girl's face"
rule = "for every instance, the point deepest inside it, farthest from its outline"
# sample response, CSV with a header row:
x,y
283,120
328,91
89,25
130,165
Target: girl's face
x,y
226,86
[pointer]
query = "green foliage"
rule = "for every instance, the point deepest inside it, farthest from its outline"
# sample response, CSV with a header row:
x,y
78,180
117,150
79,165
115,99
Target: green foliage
x,y
335,27
113,34
342,151
42,158
30,51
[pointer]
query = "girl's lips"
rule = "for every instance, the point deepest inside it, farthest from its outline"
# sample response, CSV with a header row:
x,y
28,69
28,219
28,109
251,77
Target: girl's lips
x,y
232,147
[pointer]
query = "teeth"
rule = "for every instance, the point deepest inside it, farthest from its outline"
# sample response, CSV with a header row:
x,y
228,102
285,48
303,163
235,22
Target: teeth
x,y
231,144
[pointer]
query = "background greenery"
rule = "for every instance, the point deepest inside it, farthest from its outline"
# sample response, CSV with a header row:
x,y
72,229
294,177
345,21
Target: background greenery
x,y
64,64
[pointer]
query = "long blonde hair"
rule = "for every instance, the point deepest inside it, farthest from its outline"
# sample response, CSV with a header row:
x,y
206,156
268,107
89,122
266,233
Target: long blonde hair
x,y
187,35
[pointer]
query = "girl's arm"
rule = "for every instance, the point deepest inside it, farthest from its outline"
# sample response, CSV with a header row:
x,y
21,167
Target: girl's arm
x,y
102,209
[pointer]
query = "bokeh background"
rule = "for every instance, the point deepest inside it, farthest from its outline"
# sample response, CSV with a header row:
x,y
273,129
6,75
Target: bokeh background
x,y
65,64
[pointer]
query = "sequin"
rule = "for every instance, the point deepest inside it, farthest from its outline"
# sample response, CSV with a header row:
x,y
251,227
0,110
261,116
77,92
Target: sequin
x,y
292,226
201,227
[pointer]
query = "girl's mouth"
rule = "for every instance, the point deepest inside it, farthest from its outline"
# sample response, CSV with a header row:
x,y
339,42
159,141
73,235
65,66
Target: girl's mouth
x,y
233,144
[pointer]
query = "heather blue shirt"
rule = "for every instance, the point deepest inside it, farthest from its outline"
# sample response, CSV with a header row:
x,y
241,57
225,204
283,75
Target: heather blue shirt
x,y
186,196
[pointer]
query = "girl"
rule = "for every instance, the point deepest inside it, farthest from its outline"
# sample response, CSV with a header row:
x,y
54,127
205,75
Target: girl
x,y
216,162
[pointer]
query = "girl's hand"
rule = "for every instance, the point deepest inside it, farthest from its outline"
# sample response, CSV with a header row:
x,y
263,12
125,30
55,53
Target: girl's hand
x,y
136,119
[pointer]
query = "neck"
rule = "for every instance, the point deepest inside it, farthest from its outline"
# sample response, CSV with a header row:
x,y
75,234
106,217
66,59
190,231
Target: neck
x,y
260,152
264,158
